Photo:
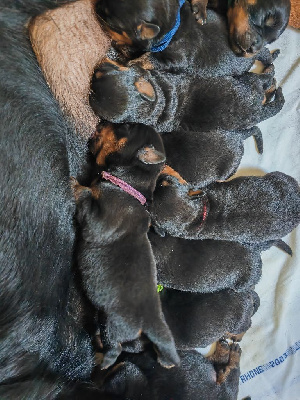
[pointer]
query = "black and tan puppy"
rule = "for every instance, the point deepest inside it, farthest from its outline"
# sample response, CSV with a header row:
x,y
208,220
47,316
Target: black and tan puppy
x,y
208,265
252,23
114,254
246,209
205,266
215,378
187,80
137,24
213,155
199,319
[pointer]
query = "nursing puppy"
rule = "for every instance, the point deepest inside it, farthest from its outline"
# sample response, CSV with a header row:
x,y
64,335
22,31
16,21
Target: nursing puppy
x,y
246,209
207,265
213,155
114,254
137,24
139,376
199,319
252,24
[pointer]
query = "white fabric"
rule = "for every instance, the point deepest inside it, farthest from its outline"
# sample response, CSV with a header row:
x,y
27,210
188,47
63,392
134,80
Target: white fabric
x,y
276,325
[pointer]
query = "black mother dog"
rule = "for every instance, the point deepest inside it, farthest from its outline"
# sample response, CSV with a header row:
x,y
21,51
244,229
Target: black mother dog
x,y
43,345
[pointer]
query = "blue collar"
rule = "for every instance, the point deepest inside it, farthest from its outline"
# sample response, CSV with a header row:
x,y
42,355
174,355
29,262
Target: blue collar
x,y
161,45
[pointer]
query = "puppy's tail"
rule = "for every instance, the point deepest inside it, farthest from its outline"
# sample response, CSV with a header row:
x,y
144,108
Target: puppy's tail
x,y
283,246
258,139
257,136
280,244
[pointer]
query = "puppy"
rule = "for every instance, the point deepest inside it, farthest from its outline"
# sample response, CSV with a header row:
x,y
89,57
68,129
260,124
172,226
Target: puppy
x,y
233,103
213,155
173,91
199,319
208,265
246,209
137,24
139,376
114,254
252,24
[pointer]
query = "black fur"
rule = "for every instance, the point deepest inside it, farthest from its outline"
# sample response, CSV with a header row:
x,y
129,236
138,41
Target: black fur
x,y
208,265
212,155
246,209
205,265
199,319
251,24
43,345
114,253
156,17
190,81
140,377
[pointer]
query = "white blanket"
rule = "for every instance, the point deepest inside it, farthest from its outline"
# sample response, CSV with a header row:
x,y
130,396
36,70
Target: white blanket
x,y
270,365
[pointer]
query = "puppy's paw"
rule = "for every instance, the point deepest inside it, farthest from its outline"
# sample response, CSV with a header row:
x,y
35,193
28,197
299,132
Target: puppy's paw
x,y
270,91
221,354
166,353
166,361
233,363
199,10
275,54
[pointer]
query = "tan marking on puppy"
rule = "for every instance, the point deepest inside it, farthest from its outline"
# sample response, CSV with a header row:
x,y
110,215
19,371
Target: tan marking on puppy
x,y
105,143
194,192
69,43
98,74
234,361
119,66
143,61
238,20
96,192
165,183
251,2
221,354
271,21
145,88
119,38
98,358
77,189
170,171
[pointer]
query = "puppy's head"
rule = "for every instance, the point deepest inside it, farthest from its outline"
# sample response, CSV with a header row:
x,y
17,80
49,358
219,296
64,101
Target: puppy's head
x,y
134,152
176,210
255,23
121,94
135,23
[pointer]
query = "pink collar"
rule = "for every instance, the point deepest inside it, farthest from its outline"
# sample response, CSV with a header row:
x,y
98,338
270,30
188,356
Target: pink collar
x,y
124,186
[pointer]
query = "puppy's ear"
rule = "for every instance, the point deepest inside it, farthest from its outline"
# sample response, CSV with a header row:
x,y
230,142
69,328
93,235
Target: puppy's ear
x,y
145,89
149,155
147,31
